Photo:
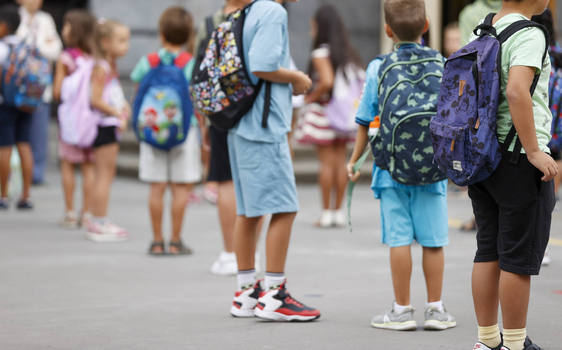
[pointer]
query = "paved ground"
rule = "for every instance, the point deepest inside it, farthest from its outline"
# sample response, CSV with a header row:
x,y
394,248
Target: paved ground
x,y
59,291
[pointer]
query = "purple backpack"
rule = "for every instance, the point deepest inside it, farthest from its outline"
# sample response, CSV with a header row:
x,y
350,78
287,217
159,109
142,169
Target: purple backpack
x,y
464,129
346,95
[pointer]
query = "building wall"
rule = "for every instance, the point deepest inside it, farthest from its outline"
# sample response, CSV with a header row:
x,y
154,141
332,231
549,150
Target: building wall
x,y
142,16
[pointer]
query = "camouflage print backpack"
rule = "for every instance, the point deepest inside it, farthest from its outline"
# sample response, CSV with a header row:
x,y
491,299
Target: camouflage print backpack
x,y
409,83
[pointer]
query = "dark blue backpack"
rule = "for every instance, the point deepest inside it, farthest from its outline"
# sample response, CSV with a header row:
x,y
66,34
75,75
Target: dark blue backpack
x,y
409,82
162,111
464,130
555,104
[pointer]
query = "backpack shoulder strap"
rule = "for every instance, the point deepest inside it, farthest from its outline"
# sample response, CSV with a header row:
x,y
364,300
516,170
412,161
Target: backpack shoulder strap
x,y
153,59
519,25
182,59
209,26
486,27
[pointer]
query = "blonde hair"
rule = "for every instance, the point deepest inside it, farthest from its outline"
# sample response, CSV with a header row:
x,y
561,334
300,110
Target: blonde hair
x,y
104,30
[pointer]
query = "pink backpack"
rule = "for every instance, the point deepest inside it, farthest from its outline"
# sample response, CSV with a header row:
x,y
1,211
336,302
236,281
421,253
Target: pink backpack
x,y
77,120
346,94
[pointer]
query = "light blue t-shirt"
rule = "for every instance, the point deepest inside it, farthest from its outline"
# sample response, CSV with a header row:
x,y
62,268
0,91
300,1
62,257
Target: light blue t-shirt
x,y
266,49
366,113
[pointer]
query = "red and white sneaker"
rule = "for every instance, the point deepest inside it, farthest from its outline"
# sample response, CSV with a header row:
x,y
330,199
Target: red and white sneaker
x,y
245,301
106,233
278,305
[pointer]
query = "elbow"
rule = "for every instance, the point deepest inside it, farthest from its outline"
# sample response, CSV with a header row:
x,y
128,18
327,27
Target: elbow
x,y
513,94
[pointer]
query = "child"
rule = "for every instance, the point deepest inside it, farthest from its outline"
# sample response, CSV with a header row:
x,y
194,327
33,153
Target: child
x,y
180,167
262,169
406,209
37,28
76,33
332,52
111,42
513,207
15,125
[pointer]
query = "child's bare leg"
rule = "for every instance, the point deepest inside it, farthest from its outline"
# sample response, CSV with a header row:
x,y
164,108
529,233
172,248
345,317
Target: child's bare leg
x,y
514,293
68,184
245,241
401,268
5,168
433,266
26,159
340,173
156,208
277,242
180,196
226,204
325,175
485,285
88,183
105,163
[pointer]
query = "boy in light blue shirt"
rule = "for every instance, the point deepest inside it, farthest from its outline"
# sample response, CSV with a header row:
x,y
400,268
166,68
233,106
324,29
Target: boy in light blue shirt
x,y
408,212
262,169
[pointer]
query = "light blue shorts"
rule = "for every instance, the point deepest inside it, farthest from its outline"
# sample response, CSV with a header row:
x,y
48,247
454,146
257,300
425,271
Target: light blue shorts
x,y
263,176
412,213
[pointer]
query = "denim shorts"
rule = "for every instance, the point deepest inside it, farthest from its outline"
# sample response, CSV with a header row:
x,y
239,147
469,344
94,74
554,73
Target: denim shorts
x,y
263,176
15,126
411,213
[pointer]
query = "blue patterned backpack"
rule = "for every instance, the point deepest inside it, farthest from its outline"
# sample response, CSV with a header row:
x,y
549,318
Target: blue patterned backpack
x,y
464,130
409,81
555,104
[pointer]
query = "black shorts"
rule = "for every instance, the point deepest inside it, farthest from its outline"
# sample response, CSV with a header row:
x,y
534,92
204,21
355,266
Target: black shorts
x,y
15,126
513,210
219,169
106,136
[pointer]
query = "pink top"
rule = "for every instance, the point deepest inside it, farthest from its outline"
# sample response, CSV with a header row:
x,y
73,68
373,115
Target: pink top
x,y
112,94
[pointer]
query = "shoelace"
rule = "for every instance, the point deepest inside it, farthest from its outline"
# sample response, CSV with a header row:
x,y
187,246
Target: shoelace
x,y
289,299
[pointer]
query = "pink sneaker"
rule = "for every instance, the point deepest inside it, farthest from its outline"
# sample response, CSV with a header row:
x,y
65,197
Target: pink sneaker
x,y
106,233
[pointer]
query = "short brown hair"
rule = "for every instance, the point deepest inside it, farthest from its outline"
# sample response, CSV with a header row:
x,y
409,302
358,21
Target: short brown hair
x,y
176,25
82,24
406,18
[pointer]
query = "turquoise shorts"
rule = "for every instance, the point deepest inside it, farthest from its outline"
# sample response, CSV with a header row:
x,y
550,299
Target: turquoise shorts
x,y
412,213
263,176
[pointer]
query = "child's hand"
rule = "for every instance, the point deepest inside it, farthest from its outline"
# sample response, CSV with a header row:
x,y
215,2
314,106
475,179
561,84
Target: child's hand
x,y
545,164
301,84
126,112
353,176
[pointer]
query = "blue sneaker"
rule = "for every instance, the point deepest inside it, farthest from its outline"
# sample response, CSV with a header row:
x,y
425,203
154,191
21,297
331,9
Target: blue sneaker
x,y
25,204
4,204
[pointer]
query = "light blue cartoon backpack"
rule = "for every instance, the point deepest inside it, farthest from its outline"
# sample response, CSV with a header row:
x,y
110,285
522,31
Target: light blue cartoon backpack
x,y
163,109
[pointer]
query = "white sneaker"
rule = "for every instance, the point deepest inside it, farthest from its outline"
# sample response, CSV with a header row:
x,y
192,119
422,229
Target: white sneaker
x,y
225,265
106,233
245,301
70,220
326,219
340,219
546,260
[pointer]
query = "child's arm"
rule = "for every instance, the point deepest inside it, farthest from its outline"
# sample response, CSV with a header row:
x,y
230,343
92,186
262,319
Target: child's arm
x,y
300,81
361,141
323,67
99,77
60,74
521,108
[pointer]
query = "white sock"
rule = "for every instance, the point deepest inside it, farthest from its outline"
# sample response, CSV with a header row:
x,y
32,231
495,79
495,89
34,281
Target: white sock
x,y
435,304
274,280
246,279
400,308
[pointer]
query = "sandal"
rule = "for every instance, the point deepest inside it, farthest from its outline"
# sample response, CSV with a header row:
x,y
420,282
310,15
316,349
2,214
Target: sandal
x,y
181,249
152,251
